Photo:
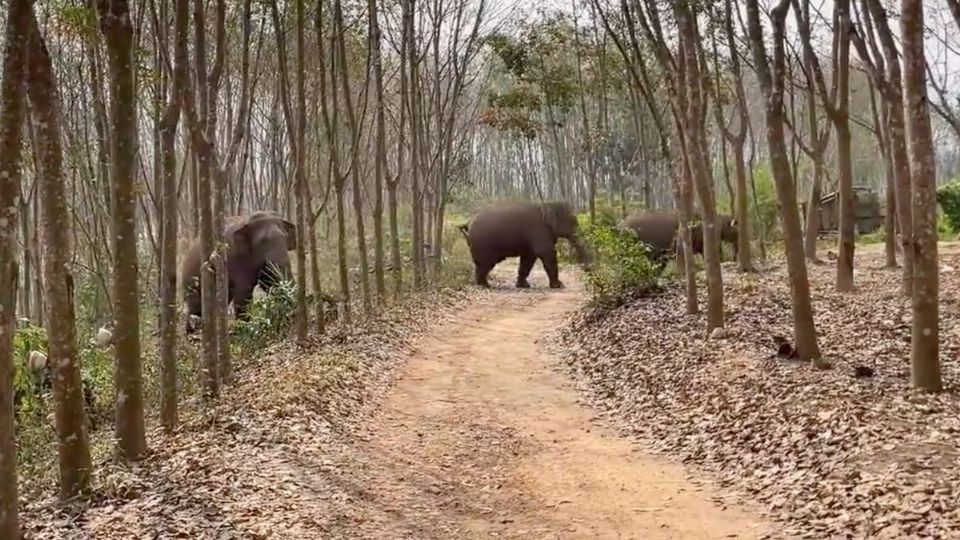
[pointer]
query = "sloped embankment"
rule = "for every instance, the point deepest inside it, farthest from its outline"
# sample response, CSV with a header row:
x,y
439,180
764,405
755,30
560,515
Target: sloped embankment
x,y
262,463
827,452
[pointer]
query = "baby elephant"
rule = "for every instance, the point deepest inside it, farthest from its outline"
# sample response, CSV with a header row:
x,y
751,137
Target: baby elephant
x,y
257,254
526,230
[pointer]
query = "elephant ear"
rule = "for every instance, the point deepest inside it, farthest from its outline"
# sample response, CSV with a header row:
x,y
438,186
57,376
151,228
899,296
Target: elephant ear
x,y
550,212
290,230
238,232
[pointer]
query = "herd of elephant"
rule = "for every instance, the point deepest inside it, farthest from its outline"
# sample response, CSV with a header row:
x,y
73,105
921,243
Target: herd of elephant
x,y
259,244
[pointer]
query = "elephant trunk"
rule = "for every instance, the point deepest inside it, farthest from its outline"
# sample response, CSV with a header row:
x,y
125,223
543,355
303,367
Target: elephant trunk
x,y
580,251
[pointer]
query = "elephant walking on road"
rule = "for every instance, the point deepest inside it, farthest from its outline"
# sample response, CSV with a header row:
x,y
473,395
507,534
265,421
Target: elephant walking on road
x,y
526,230
257,254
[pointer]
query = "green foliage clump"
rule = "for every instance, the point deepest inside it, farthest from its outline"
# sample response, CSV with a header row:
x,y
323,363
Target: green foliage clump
x,y
25,383
763,210
621,268
948,197
877,237
268,318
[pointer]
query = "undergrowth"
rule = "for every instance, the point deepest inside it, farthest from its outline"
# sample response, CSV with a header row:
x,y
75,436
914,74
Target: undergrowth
x,y
621,269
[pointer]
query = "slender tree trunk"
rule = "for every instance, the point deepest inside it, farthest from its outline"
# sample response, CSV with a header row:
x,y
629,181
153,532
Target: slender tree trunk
x,y
12,114
115,20
301,179
331,128
685,207
380,159
813,212
355,142
27,256
925,342
413,97
315,264
772,83
169,232
700,166
205,168
219,181
744,250
396,260
69,415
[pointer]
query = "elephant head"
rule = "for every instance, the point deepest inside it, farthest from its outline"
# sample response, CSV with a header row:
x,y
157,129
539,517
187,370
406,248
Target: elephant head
x,y
730,232
562,221
262,241
727,230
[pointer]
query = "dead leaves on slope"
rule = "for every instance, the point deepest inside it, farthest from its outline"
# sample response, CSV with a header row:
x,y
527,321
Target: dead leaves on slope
x,y
850,451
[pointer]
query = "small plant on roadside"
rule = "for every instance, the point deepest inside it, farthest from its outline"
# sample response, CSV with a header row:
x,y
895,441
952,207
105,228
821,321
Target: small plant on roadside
x,y
622,268
268,318
948,197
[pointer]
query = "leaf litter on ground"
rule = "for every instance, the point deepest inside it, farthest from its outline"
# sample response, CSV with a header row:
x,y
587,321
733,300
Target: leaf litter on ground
x,y
850,451
264,461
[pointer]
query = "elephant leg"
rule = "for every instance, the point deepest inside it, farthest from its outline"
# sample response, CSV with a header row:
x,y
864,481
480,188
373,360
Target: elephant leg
x,y
194,308
526,264
549,260
483,269
241,296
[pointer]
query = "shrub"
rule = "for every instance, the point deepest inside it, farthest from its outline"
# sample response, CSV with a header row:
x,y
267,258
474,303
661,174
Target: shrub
x,y
268,317
764,213
948,197
621,268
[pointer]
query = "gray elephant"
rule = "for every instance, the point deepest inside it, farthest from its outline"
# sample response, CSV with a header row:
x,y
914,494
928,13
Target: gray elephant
x,y
521,229
257,254
659,230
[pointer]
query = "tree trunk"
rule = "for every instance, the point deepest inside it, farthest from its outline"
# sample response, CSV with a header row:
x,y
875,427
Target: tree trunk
x,y
685,207
115,23
302,314
169,232
925,342
12,114
896,132
700,166
805,334
744,251
846,206
355,142
69,415
396,260
812,231
380,159
413,107
206,167
219,181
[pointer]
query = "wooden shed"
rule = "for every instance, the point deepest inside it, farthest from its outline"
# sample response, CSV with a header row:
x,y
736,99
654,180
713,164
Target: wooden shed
x,y
868,216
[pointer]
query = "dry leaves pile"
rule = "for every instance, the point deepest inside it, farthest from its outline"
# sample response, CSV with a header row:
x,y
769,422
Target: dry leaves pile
x,y
851,451
264,462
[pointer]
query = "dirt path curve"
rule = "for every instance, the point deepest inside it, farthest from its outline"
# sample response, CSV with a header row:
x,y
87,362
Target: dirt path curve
x,y
482,438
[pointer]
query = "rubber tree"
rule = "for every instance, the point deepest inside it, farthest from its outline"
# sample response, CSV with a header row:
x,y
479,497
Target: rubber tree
x,y
925,334
12,112
836,103
772,78
117,28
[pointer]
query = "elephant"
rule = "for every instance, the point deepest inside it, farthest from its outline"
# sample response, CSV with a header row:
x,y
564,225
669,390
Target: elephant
x,y
729,234
522,229
257,254
659,230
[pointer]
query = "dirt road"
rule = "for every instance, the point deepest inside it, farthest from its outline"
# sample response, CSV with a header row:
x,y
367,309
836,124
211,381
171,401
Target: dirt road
x,y
481,437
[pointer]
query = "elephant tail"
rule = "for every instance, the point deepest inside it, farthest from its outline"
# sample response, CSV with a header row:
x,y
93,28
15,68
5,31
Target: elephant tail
x,y
464,229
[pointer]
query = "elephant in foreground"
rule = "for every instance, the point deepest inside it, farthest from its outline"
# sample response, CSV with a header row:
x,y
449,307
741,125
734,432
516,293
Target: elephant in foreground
x,y
659,230
526,230
257,254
